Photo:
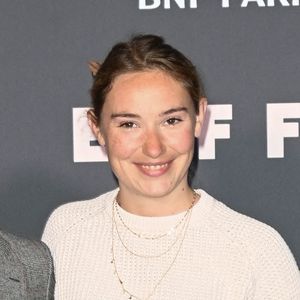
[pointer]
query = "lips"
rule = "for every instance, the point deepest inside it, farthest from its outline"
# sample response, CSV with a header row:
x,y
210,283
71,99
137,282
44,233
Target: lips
x,y
154,169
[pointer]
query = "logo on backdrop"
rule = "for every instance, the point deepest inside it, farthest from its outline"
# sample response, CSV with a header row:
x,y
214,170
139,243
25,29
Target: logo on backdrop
x,y
86,148
214,129
168,4
282,122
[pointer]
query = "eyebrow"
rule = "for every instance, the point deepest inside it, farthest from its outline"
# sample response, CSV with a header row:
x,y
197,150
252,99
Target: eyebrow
x,y
131,115
124,115
173,110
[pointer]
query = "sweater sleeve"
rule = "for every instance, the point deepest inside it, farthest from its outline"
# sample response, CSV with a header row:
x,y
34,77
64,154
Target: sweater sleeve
x,y
68,216
53,230
276,272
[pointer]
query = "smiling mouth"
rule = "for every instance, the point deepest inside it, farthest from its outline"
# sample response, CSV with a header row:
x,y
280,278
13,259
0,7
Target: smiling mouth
x,y
155,169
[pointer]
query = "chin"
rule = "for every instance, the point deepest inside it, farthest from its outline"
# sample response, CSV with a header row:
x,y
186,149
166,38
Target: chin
x,y
155,191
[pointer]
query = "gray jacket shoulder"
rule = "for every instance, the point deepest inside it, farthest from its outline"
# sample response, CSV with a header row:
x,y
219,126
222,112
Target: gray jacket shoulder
x,y
27,269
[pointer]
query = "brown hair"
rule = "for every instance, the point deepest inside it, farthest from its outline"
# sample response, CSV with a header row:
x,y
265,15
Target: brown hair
x,y
140,53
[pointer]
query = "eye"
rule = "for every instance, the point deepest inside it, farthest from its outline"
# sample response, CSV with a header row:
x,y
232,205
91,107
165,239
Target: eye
x,y
173,121
128,125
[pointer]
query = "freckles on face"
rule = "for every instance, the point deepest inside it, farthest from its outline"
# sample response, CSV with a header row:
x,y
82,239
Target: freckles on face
x,y
148,122
140,99
184,142
121,146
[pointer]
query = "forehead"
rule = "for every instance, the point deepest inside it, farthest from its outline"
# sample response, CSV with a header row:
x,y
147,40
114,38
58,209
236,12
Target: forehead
x,y
153,87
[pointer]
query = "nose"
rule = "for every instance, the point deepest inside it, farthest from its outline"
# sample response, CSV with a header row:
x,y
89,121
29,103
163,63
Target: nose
x,y
153,145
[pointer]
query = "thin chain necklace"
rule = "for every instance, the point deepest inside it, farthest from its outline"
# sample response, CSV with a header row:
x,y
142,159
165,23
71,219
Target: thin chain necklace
x,y
113,261
158,236
149,256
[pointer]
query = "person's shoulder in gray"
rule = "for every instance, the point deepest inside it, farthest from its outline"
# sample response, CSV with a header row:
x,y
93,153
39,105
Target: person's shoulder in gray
x,y
26,269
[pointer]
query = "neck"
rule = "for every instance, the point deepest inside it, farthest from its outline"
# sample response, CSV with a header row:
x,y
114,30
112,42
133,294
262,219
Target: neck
x,y
172,203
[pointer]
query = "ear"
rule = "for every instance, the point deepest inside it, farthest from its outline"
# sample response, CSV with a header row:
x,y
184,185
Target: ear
x,y
93,124
201,116
94,67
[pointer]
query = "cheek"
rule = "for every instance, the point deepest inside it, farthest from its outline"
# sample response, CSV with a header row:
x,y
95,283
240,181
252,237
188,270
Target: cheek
x,y
121,146
182,142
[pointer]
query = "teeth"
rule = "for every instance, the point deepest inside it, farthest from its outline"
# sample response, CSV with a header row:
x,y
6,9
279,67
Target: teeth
x,y
154,167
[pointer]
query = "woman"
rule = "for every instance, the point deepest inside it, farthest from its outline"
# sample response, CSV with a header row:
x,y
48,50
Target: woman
x,y
155,237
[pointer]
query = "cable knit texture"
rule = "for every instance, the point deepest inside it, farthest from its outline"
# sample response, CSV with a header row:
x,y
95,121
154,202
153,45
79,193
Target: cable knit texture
x,y
224,254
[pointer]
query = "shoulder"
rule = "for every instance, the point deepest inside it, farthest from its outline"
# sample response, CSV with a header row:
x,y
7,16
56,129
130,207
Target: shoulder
x,y
234,224
30,262
241,229
70,215
26,250
245,230
273,265
255,239
5,242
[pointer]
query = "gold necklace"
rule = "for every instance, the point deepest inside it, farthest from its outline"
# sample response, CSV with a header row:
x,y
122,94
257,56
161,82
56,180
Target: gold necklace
x,y
113,261
149,256
161,235
132,295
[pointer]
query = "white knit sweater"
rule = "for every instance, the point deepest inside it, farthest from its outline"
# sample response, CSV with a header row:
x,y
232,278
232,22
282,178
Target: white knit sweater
x,y
224,255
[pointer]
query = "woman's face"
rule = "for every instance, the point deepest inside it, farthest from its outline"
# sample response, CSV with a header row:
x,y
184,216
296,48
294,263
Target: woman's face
x,y
148,125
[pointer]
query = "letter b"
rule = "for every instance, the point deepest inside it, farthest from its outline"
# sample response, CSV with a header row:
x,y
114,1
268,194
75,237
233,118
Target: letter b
x,y
144,4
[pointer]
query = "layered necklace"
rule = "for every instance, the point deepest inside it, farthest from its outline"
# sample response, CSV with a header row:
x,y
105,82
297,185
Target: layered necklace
x,y
179,231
